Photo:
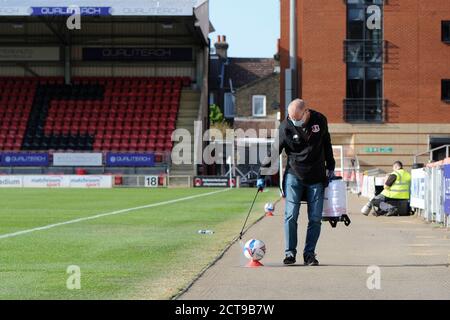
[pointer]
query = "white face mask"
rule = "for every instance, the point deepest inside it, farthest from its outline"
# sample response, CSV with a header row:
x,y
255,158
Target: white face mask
x,y
298,123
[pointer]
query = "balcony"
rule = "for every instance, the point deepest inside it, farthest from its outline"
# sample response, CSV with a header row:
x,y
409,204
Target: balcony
x,y
365,51
365,110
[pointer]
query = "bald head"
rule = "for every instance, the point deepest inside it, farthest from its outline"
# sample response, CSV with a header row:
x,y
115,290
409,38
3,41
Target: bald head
x,y
296,109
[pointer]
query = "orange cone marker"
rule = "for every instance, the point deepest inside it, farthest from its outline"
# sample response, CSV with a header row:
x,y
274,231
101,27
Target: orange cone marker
x,y
254,264
269,209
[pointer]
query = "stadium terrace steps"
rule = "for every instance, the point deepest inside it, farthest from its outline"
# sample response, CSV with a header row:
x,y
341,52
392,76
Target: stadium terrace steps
x,y
189,106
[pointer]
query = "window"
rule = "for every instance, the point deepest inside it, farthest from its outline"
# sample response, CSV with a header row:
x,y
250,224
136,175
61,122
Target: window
x,y
229,105
436,142
446,31
446,90
364,55
259,106
356,25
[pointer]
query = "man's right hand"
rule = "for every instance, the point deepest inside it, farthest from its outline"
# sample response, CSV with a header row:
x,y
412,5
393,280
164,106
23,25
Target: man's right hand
x,y
260,184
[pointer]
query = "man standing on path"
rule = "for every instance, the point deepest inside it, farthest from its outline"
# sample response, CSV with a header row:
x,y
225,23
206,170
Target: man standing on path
x,y
305,138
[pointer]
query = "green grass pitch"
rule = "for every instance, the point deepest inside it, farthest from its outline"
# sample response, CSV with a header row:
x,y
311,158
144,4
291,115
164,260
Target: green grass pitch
x,y
148,253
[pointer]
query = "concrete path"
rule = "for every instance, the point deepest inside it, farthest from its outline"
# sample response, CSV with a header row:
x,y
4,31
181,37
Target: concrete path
x,y
413,259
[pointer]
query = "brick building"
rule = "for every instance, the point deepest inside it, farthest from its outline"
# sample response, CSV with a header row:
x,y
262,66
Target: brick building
x,y
258,103
379,70
228,74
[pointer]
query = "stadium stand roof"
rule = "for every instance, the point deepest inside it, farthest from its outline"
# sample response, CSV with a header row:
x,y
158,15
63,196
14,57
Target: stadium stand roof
x,y
113,11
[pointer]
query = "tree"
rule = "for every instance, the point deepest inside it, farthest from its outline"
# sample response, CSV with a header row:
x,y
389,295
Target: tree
x,y
215,115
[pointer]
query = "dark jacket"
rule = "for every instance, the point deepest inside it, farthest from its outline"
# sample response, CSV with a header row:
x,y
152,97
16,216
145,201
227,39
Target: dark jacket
x,y
390,180
309,149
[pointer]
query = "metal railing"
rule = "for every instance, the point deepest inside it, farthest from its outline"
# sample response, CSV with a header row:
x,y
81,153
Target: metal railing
x,y
431,152
365,110
365,51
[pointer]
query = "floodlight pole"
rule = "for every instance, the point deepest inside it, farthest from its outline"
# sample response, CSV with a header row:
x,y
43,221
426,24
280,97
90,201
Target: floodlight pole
x,y
293,37
291,72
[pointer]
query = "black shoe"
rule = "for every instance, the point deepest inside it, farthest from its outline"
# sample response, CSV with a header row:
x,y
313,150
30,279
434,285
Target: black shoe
x,y
289,260
310,259
392,212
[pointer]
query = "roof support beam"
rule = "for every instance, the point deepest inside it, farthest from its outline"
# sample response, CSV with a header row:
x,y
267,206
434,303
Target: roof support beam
x,y
25,66
57,33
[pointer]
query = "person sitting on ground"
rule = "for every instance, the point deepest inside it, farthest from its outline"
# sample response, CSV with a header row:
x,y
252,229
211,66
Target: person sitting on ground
x,y
396,187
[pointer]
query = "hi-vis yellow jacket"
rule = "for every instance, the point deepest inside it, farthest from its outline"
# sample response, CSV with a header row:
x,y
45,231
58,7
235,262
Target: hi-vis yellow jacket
x,y
400,188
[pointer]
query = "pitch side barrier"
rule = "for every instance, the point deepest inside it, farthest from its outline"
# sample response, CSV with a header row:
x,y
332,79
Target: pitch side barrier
x,y
430,192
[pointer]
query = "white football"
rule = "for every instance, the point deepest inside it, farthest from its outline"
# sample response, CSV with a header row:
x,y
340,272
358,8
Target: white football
x,y
269,207
254,249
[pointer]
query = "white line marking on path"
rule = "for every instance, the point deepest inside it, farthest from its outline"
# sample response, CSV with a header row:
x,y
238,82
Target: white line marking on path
x,y
101,215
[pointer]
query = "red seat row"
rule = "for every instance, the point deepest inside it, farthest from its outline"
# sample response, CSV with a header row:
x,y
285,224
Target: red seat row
x,y
129,81
31,80
16,98
158,147
7,117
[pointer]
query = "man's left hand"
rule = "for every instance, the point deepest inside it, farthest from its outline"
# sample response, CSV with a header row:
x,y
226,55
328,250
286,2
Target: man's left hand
x,y
260,184
330,174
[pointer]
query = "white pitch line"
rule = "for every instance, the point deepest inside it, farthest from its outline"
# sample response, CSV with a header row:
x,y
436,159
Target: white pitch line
x,y
101,215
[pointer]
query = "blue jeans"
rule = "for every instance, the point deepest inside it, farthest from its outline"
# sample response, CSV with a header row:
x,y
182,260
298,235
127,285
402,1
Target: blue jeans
x,y
314,194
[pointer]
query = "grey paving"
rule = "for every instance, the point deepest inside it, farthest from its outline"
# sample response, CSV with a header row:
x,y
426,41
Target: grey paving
x,y
413,258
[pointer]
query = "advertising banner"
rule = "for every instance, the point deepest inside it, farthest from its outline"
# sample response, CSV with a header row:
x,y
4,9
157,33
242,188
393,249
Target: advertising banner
x,y
77,159
68,11
11,182
203,182
29,54
67,181
12,159
50,181
447,189
137,54
98,7
90,181
130,159
417,198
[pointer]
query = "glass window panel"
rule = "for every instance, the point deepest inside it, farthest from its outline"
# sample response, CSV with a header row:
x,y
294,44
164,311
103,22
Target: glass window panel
x,y
355,1
355,89
259,106
356,14
355,73
374,73
446,90
373,89
355,30
446,31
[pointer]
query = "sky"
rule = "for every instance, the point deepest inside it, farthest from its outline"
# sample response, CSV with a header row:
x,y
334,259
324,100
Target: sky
x,y
252,27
